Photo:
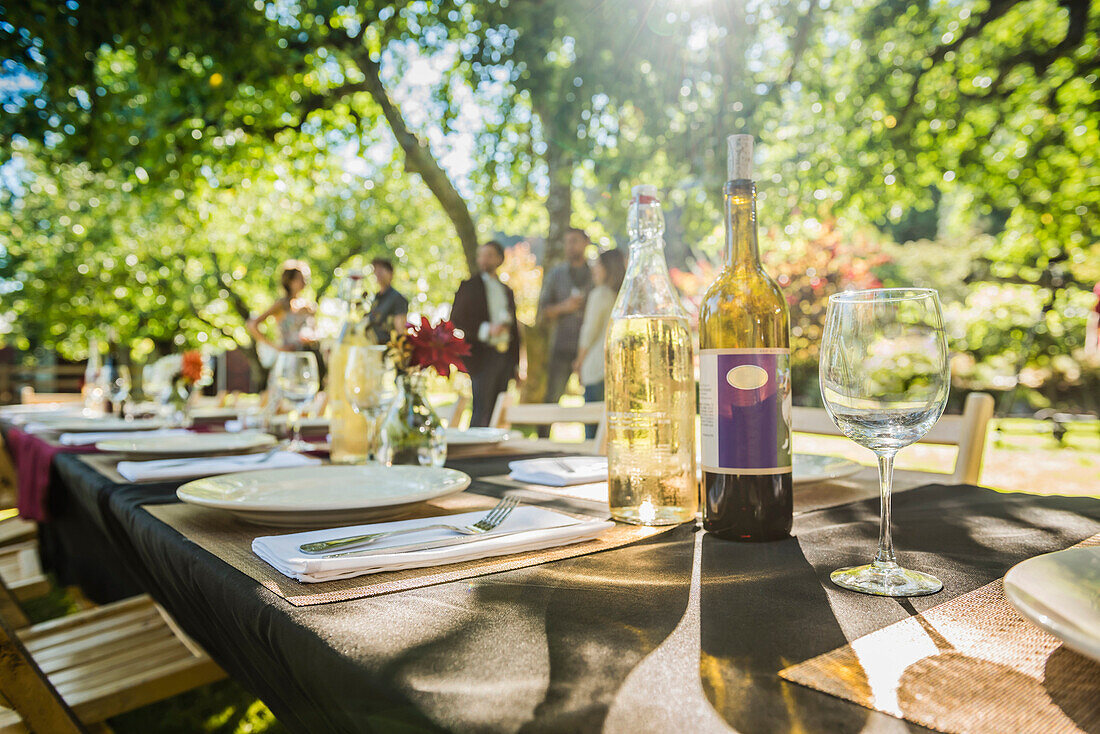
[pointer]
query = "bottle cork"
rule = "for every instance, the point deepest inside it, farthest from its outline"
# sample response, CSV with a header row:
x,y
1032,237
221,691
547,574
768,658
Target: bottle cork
x,y
739,163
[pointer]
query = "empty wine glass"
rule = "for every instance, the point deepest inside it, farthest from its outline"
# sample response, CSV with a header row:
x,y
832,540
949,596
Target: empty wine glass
x,y
884,380
369,387
117,377
297,380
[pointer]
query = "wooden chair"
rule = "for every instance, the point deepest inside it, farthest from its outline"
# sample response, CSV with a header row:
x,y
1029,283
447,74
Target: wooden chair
x,y
71,674
21,570
507,412
14,529
9,480
452,413
966,431
28,396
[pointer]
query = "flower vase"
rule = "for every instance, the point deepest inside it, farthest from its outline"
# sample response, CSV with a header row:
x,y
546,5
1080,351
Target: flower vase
x,y
176,405
412,432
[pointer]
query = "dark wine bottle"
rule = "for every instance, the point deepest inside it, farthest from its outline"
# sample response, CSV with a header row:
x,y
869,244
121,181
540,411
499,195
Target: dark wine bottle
x,y
745,379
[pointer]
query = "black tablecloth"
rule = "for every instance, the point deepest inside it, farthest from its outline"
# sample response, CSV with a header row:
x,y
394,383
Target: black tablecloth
x,y
550,648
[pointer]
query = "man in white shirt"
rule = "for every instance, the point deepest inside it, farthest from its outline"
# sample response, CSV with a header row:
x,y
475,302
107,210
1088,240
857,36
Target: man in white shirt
x,y
485,310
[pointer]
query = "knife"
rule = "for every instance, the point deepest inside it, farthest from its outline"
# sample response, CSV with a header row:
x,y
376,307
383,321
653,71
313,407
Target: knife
x,y
435,543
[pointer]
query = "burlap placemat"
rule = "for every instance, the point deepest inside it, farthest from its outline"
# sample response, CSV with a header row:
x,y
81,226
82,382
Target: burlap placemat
x,y
969,665
231,540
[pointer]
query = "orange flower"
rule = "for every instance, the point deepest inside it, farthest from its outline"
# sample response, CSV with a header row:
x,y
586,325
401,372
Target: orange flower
x,y
191,366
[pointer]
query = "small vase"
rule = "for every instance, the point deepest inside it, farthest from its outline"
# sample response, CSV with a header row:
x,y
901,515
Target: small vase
x,y
176,405
411,432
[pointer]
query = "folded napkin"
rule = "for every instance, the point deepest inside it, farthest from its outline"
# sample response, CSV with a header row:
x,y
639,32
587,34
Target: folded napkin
x,y
207,466
560,472
83,439
541,528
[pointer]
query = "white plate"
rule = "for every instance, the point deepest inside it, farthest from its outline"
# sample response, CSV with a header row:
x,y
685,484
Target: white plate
x,y
323,495
106,423
192,444
1060,592
41,408
476,436
810,468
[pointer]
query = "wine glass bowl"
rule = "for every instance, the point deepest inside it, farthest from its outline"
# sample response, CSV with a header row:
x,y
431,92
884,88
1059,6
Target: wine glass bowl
x,y
297,380
369,387
885,377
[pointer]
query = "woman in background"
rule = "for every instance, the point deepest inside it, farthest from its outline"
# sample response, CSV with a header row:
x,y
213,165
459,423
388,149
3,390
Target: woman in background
x,y
607,274
293,314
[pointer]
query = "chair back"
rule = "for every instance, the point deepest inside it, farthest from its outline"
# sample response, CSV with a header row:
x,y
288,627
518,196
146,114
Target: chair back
x,y
23,684
966,431
507,413
452,413
28,396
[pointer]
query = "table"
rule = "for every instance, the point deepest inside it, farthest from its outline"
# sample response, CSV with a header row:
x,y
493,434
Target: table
x,y
683,632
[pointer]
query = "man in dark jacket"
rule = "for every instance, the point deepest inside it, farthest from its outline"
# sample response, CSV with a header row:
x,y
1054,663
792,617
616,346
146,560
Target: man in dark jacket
x,y
485,310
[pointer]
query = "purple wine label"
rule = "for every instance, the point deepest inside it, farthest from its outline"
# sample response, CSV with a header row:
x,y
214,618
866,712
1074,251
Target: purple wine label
x,y
745,410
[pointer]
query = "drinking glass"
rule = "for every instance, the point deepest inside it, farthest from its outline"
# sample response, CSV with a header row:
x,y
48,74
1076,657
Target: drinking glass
x,y
118,387
369,385
297,380
884,380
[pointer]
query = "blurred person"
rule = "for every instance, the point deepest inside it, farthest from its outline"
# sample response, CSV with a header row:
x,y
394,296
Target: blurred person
x,y
1092,326
293,314
564,292
608,272
390,309
485,310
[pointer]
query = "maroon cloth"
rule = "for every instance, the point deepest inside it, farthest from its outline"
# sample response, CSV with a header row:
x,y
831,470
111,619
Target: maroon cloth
x,y
32,457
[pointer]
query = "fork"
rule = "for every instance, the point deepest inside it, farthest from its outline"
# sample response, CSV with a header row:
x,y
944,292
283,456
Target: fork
x,y
491,521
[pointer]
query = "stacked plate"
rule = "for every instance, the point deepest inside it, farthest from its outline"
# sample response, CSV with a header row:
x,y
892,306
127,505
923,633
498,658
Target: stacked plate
x,y
324,495
190,444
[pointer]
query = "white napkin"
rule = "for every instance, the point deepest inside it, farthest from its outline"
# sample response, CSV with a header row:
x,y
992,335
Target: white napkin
x,y
84,439
564,471
542,529
207,466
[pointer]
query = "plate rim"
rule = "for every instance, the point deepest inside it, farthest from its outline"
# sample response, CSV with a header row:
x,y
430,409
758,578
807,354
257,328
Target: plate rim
x,y
462,481
262,440
854,468
63,427
503,435
1085,645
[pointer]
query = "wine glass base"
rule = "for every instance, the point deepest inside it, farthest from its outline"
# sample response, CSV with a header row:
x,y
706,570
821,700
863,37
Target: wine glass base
x,y
299,446
886,579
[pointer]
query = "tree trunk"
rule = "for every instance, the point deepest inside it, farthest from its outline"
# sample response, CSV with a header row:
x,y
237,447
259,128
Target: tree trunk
x,y
419,159
559,199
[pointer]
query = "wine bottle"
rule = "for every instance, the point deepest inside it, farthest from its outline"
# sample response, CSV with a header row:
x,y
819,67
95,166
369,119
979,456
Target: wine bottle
x,y
745,379
649,384
348,430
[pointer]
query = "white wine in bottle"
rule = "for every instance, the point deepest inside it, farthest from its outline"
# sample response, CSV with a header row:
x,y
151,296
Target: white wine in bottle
x,y
745,379
650,388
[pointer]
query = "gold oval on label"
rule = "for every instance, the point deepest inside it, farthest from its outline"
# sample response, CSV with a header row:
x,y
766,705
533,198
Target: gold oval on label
x,y
747,377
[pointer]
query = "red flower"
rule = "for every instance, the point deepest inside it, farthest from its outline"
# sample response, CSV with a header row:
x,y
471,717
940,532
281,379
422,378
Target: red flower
x,y
191,366
437,347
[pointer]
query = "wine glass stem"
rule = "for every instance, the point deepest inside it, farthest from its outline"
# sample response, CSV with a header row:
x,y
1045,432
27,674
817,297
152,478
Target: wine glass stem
x,y
296,422
885,555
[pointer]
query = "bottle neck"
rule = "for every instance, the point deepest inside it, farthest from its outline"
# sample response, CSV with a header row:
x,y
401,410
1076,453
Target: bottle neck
x,y
741,248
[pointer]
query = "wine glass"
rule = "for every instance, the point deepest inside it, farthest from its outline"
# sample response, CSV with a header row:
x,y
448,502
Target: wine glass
x,y
118,387
884,380
297,380
369,387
